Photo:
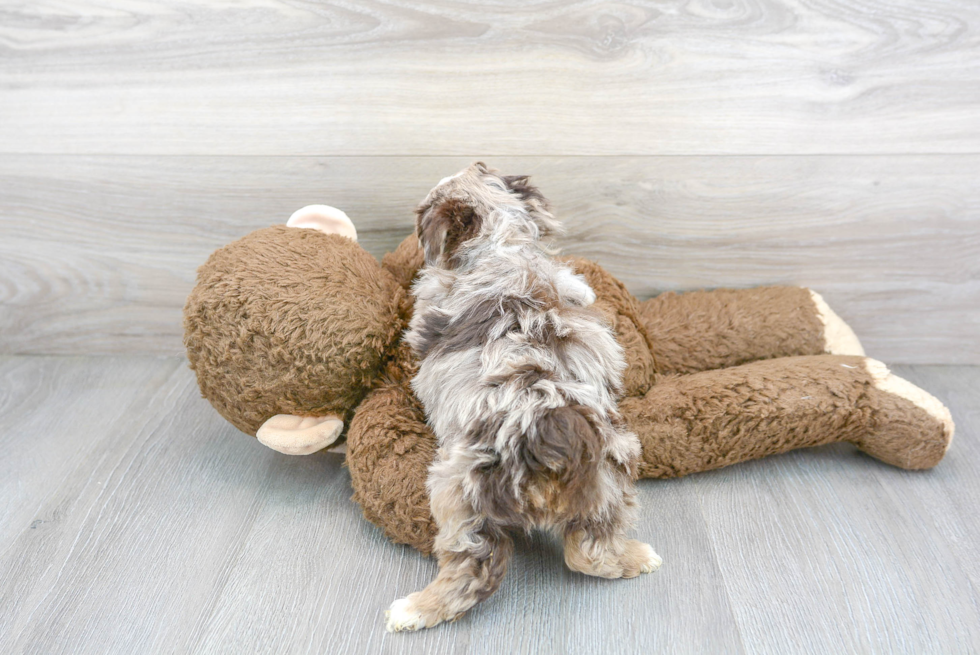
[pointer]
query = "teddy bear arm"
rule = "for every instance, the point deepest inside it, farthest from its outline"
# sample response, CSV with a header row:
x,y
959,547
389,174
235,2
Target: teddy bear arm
x,y
707,330
621,311
706,420
404,261
389,451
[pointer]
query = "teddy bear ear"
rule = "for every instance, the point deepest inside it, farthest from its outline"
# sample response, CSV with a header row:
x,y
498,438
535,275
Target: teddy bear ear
x,y
324,218
299,435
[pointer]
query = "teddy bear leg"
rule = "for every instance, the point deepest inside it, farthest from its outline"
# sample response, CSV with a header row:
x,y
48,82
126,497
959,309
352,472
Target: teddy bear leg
x,y
389,451
708,330
712,419
913,429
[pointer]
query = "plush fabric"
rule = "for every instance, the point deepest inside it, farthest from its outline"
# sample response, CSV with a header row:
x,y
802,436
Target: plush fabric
x,y
706,330
293,321
389,450
710,419
290,321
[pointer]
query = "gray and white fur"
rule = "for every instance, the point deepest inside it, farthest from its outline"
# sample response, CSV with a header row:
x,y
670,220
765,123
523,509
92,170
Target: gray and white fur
x,y
520,379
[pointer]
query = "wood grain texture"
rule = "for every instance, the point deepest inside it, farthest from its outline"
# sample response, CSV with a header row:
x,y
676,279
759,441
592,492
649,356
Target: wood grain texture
x,y
278,77
175,533
882,553
135,520
97,254
110,552
43,403
686,143
955,490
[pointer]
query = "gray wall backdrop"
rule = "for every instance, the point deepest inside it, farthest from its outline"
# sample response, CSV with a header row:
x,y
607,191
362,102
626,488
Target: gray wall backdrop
x,y
686,144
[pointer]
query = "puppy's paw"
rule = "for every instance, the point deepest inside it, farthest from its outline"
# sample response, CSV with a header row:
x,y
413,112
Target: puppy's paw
x,y
639,558
403,615
619,558
652,561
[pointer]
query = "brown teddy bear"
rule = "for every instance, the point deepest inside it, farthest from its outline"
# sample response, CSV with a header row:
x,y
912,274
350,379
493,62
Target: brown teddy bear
x,y
294,332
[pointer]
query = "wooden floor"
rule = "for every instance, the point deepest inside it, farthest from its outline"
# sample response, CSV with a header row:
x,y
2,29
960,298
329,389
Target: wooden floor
x,y
133,519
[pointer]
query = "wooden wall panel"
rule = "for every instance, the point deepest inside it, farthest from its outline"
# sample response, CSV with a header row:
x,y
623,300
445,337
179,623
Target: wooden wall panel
x,y
289,77
98,253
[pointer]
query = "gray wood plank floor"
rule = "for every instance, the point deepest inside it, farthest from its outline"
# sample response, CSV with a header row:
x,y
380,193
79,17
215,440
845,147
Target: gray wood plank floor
x,y
134,519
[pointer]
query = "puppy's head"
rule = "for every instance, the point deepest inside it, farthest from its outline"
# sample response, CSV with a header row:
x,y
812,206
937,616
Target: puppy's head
x,y
479,204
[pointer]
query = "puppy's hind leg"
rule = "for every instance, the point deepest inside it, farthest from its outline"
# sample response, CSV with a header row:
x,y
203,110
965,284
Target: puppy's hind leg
x,y
472,562
609,557
599,546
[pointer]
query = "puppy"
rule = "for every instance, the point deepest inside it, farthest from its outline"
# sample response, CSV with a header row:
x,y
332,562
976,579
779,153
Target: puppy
x,y
520,379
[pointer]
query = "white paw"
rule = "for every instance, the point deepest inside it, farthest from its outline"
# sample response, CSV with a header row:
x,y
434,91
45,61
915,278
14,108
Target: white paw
x,y
402,615
652,561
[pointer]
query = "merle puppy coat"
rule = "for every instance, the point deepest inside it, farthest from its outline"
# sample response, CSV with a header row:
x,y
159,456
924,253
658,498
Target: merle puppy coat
x,y
520,379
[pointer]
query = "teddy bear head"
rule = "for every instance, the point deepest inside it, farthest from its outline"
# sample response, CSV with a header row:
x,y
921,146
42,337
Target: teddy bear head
x,y
288,328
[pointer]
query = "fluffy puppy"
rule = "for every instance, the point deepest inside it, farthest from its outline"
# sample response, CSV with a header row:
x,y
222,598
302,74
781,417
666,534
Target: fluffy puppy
x,y
520,379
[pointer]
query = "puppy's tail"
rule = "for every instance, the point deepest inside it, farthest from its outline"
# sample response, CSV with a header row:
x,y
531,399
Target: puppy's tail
x,y
564,442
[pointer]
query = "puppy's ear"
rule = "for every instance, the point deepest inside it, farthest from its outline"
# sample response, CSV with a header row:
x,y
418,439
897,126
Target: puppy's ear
x,y
443,227
521,187
537,205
